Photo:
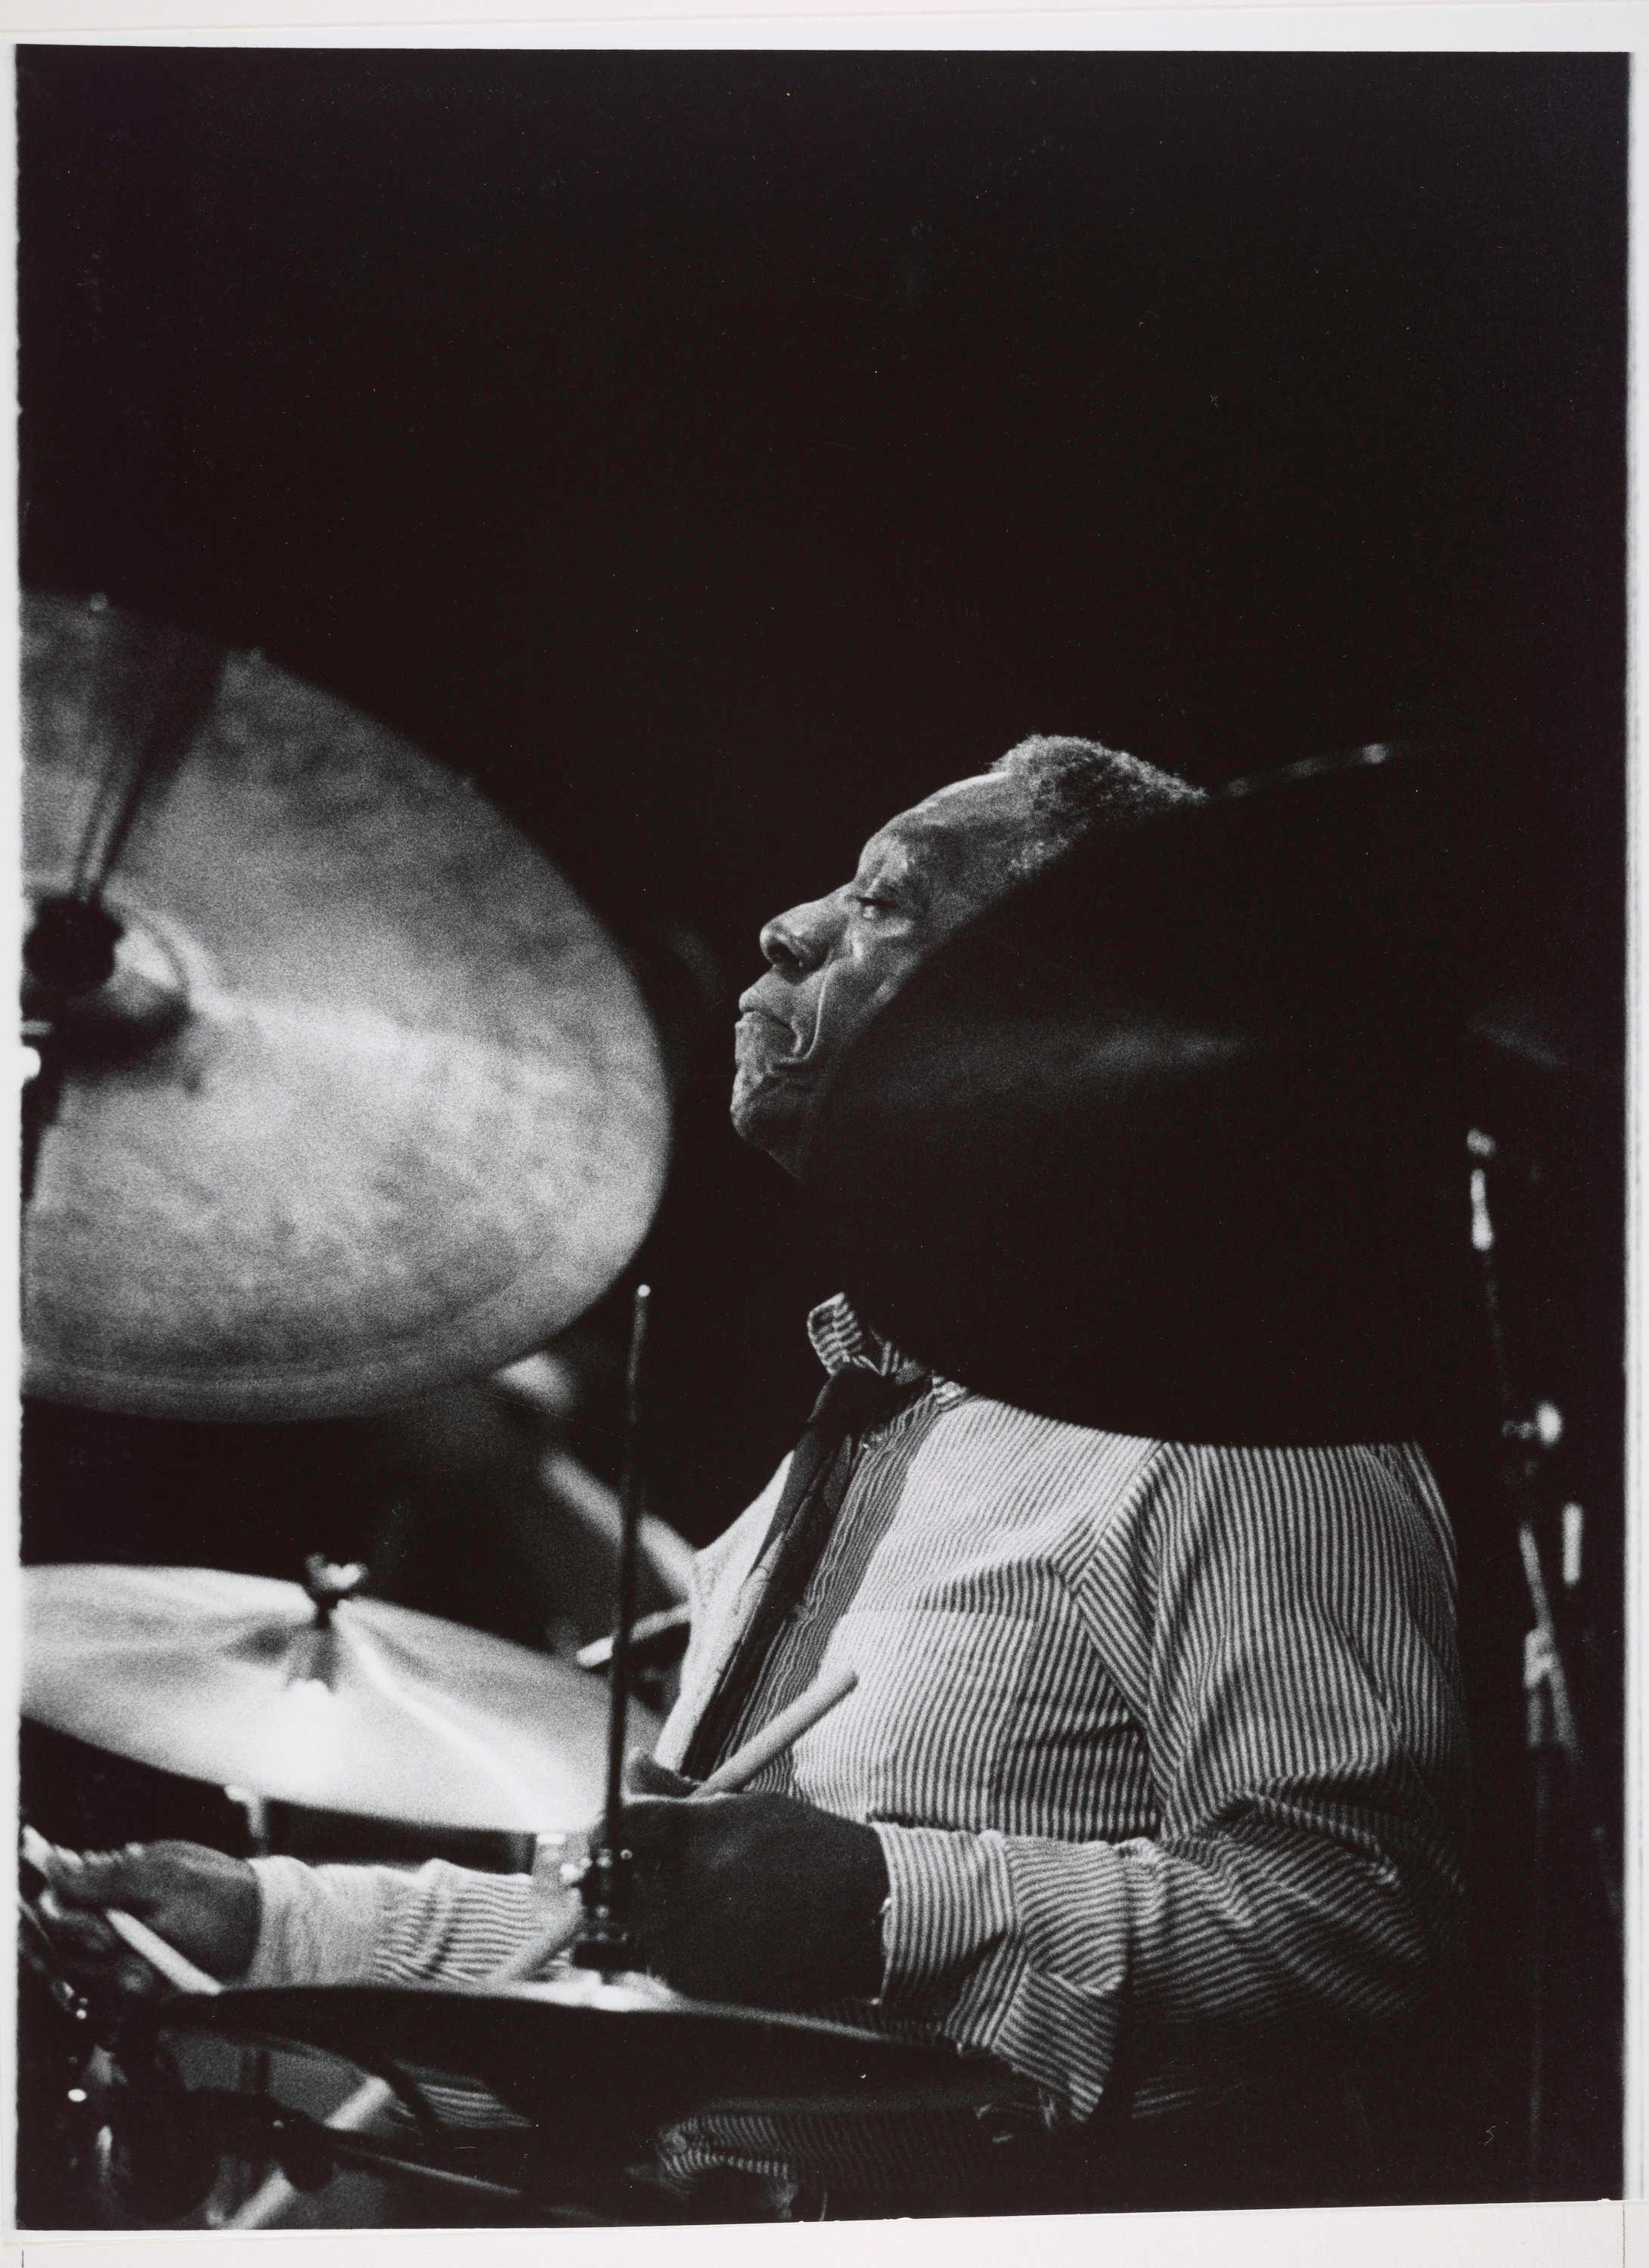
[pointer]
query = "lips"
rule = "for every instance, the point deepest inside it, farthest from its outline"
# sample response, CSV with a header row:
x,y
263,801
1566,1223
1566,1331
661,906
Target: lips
x,y
759,1036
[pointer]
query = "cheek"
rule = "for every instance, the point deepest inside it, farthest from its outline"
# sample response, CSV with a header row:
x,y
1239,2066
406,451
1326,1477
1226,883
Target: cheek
x,y
857,986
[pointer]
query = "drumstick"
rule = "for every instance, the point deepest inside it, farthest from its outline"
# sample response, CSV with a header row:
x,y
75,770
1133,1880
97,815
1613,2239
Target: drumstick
x,y
783,1733
178,1969
375,2094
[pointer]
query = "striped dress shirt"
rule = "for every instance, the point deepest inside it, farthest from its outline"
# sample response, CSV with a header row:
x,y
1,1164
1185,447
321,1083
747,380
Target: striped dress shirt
x,y
1164,1745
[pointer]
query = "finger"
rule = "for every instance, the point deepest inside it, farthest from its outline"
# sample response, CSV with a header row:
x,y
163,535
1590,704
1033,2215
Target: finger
x,y
97,1878
137,1980
81,1935
142,1877
646,1776
93,1952
117,1984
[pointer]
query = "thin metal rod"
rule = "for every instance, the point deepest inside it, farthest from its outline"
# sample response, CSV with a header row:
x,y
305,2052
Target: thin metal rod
x,y
1551,1727
42,1099
624,1611
384,2161
179,684
1519,1465
1540,1935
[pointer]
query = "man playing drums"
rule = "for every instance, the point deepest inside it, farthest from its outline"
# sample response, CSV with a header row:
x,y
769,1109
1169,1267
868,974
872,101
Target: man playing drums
x,y
1150,1787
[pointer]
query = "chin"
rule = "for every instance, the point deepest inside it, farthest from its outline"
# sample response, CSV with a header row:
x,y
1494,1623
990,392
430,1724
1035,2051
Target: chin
x,y
772,1122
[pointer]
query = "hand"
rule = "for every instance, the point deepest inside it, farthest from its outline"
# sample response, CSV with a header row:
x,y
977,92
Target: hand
x,y
207,1904
758,1900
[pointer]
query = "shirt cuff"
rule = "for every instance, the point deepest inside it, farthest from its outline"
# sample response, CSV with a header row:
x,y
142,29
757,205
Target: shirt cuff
x,y
1010,1945
949,1906
319,1924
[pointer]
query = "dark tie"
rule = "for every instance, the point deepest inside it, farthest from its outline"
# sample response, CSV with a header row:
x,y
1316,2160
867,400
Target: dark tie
x,y
853,1401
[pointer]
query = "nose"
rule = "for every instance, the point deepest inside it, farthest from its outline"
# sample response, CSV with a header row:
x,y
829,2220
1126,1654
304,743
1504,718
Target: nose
x,y
796,942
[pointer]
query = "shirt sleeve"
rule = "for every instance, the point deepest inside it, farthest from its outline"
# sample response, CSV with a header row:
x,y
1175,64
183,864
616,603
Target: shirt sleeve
x,y
383,1926
1283,1623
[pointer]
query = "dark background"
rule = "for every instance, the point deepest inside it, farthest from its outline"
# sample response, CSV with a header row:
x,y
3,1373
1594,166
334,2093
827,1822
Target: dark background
x,y
712,454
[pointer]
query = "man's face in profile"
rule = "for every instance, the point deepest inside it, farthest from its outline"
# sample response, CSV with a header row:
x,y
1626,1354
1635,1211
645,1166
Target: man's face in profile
x,y
833,963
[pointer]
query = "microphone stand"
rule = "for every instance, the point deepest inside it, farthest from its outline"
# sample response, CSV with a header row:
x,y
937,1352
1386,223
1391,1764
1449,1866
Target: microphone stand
x,y
1552,1731
606,1944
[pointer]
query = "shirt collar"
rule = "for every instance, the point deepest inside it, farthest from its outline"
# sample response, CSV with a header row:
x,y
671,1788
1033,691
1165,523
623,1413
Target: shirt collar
x,y
843,1342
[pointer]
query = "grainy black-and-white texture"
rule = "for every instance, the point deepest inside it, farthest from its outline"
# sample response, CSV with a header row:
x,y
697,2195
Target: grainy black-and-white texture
x,y
1163,1743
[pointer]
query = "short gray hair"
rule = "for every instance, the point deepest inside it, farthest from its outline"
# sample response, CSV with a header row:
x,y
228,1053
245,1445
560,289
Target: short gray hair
x,y
1081,787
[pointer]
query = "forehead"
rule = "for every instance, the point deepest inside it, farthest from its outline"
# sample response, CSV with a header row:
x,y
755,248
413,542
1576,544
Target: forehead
x,y
949,829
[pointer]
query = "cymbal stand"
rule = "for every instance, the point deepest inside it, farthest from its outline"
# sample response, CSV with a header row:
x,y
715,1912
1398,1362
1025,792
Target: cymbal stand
x,y
1552,1732
605,1944
159,686
237,2175
67,953
328,1586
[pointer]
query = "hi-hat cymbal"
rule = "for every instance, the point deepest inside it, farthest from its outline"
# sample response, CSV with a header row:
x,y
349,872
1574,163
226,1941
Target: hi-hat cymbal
x,y
1168,1142
618,2057
361,1706
370,1103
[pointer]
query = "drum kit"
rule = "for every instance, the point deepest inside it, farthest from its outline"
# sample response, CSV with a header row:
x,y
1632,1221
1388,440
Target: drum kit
x,y
339,1094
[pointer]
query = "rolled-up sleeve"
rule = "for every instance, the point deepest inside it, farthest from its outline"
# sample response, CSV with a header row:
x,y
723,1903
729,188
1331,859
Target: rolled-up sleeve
x,y
385,1926
1283,1623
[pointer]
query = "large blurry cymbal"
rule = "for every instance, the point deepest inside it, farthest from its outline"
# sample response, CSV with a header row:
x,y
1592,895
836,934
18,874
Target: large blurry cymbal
x,y
373,1709
1167,1142
614,2058
371,1103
